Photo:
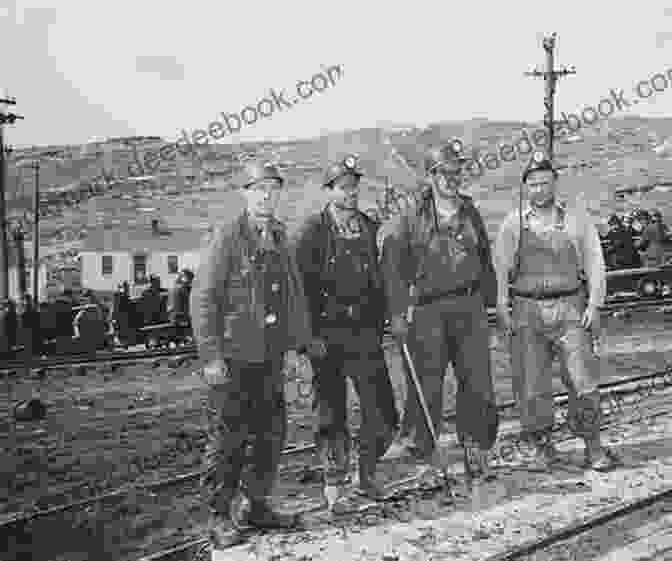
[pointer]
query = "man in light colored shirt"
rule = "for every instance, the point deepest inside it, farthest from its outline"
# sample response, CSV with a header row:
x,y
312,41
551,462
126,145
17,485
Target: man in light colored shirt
x,y
551,262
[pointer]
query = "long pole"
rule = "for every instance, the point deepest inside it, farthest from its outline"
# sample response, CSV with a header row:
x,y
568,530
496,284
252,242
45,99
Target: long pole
x,y
36,236
4,254
550,76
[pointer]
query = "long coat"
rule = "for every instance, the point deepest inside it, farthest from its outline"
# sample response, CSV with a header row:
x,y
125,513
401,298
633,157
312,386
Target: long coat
x,y
226,325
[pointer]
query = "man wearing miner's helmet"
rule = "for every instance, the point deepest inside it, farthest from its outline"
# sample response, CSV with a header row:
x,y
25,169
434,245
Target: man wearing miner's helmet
x,y
248,309
550,267
437,260
338,258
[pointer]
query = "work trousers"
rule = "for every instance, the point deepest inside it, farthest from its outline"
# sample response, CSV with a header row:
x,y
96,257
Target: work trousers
x,y
543,330
356,353
248,408
452,330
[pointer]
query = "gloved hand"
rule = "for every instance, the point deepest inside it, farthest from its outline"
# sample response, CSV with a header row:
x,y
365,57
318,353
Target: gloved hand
x,y
216,373
399,326
317,348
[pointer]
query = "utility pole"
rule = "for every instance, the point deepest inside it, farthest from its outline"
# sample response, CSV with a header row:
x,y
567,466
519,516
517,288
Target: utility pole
x,y
36,235
550,76
5,118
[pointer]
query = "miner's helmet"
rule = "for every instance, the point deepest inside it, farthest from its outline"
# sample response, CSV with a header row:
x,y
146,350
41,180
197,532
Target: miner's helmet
x,y
451,153
538,162
256,171
614,220
348,165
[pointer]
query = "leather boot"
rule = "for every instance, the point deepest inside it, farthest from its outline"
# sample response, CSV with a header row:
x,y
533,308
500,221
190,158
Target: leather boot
x,y
545,453
261,515
476,461
368,486
222,534
597,456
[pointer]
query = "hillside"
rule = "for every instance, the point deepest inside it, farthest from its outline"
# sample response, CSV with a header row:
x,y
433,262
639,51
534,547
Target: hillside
x,y
599,161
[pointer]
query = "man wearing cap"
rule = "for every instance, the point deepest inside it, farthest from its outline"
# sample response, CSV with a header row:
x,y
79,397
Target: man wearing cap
x,y
248,309
338,258
437,261
654,240
621,252
542,259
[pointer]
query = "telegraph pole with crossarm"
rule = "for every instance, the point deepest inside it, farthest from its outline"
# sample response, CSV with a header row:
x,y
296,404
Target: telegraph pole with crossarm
x,y
5,118
550,76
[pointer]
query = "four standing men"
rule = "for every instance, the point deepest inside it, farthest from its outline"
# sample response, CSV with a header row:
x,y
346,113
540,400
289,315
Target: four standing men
x,y
338,259
553,260
437,260
253,300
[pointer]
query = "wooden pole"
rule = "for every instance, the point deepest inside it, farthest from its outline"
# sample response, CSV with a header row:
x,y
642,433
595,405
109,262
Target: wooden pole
x,y
36,237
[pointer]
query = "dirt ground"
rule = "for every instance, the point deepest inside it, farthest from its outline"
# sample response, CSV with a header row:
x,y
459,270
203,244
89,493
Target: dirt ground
x,y
106,429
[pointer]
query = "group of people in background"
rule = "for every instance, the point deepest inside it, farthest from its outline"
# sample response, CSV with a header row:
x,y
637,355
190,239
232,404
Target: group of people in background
x,y
327,294
636,239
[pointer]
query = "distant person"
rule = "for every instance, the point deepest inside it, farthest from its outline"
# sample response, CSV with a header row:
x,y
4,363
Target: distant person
x,y
152,302
122,314
89,325
621,252
653,241
179,299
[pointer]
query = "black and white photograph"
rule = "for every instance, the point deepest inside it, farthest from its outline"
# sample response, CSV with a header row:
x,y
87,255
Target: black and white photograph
x,y
335,281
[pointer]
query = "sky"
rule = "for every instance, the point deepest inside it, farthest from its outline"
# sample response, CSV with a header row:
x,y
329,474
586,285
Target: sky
x,y
82,71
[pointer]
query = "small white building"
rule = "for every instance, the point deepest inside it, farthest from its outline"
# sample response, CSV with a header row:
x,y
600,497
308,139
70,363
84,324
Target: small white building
x,y
113,255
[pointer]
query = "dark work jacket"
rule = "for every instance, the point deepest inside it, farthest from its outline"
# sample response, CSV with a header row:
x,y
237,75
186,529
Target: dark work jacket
x,y
228,300
403,246
314,245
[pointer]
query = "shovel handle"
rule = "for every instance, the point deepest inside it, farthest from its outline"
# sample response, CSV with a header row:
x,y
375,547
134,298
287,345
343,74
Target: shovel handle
x,y
418,389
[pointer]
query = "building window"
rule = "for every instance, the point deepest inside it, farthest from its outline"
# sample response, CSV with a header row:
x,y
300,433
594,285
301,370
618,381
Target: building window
x,y
107,265
173,266
139,269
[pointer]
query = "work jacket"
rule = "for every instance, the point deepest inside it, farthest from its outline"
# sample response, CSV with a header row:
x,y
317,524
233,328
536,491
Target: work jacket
x,y
231,299
315,252
405,248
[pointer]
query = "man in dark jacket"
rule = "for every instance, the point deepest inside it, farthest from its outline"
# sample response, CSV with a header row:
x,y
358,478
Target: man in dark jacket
x,y
621,252
248,309
437,260
338,259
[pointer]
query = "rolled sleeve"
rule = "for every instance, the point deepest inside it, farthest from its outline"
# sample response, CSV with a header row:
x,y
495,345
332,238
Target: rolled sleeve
x,y
504,254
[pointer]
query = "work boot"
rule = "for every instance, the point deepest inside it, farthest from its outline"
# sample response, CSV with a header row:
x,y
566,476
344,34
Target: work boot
x,y
476,461
599,457
545,454
261,515
368,486
222,534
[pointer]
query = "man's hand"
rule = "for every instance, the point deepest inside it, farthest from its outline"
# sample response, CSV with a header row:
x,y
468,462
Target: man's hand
x,y
399,326
589,317
216,373
317,348
504,321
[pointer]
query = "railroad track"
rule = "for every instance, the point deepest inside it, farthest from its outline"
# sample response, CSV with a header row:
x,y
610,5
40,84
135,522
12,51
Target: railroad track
x,y
198,548
618,387
589,523
190,351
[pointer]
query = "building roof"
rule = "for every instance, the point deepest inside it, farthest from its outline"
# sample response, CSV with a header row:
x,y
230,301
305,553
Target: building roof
x,y
142,238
